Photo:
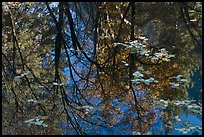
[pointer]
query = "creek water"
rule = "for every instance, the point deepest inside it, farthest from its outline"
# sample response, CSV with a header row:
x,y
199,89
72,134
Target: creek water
x,y
124,125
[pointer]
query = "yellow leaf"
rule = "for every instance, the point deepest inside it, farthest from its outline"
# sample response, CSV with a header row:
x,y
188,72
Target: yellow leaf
x,y
127,86
117,108
155,95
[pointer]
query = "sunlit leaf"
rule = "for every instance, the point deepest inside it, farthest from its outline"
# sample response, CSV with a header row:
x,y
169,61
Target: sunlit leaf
x,y
39,123
147,72
149,133
147,82
156,81
54,83
17,78
136,133
30,120
140,68
142,38
183,80
177,118
193,20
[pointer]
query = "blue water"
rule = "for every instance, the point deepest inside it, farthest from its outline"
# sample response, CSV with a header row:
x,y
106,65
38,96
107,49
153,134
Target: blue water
x,y
125,127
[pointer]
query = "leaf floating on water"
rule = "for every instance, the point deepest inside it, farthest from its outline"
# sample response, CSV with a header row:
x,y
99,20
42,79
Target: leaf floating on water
x,y
30,120
195,111
189,106
146,54
149,133
62,84
36,121
199,127
180,129
171,56
138,74
39,123
54,83
192,128
156,81
174,85
145,39
165,102
193,20
25,73
177,118
185,132
148,72
191,11
137,82
169,123
140,68
151,79
40,86
41,101
142,38
87,108
163,49
161,100
189,101
45,125
188,124
136,133
183,80
127,22
165,59
30,100
178,77
154,59
143,52
137,79
147,82
123,61
17,78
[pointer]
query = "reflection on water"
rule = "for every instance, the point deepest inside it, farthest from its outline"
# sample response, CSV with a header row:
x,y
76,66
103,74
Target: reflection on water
x,y
196,91
118,117
108,109
101,95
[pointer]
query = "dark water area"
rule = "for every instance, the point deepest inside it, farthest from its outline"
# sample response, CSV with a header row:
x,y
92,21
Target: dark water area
x,y
195,92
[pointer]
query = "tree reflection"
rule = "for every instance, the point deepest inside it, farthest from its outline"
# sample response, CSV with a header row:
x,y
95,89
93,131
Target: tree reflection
x,y
117,69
